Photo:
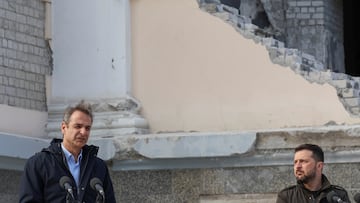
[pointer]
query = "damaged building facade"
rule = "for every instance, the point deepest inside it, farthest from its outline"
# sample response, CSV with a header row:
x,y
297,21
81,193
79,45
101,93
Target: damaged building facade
x,y
323,29
195,101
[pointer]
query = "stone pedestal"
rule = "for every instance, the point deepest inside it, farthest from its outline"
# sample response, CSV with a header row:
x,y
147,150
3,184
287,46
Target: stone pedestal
x,y
111,118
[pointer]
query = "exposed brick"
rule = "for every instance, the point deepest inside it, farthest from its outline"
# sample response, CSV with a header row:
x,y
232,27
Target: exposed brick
x,y
11,91
352,102
303,3
24,60
317,3
318,16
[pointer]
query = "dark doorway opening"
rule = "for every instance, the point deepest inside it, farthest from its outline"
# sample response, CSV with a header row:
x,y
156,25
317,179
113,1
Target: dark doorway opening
x,y
232,3
351,37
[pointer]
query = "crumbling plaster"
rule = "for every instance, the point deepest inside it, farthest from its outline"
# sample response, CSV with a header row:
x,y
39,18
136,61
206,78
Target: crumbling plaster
x,y
320,35
232,149
225,74
200,150
244,132
313,27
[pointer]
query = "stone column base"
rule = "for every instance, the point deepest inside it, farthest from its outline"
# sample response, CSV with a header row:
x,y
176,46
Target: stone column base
x,y
112,117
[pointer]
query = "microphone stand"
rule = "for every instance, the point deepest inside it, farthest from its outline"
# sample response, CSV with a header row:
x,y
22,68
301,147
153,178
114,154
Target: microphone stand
x,y
100,198
70,198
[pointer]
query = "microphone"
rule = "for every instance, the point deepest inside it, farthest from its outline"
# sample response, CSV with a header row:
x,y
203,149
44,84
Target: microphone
x,y
96,185
332,197
357,197
65,184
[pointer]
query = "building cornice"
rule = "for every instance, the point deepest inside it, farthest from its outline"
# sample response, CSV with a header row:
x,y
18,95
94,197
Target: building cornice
x,y
201,150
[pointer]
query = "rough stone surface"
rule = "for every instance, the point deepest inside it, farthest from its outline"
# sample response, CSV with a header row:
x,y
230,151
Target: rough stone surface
x,y
9,185
230,184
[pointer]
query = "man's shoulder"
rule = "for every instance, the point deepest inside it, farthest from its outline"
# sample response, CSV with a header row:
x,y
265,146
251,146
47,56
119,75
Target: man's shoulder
x,y
99,161
286,194
38,156
42,154
340,191
289,188
337,187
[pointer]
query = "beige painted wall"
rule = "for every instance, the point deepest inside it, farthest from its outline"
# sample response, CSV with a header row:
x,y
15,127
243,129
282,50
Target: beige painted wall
x,y
22,121
194,72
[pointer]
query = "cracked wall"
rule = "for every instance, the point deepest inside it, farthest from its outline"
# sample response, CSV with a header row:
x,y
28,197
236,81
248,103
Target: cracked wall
x,y
324,16
224,73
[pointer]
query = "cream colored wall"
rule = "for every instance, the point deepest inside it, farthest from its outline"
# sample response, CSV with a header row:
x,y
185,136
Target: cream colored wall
x,y
22,121
194,72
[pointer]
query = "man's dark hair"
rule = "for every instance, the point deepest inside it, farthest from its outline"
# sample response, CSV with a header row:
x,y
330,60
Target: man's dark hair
x,y
318,153
81,106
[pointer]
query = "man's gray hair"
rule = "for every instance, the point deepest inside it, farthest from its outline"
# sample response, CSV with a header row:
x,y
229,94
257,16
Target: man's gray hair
x,y
81,106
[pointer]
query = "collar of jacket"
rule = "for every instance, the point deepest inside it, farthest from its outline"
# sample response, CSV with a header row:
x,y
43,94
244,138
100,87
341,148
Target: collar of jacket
x,y
55,147
325,184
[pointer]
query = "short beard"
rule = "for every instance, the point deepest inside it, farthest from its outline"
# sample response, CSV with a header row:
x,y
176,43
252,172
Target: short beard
x,y
307,178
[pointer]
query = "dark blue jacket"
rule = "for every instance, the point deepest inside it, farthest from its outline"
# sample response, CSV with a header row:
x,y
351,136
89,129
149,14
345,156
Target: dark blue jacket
x,y
42,172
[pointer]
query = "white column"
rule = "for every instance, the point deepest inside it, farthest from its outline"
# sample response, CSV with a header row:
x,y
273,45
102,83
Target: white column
x,y
91,52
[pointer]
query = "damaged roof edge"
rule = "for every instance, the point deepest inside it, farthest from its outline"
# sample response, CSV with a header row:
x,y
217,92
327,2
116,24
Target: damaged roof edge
x,y
137,147
185,145
200,149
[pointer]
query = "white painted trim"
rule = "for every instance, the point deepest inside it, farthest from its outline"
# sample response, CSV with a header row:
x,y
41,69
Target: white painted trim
x,y
16,149
21,147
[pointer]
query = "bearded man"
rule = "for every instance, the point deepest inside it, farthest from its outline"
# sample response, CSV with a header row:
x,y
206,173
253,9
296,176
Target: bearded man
x,y
312,185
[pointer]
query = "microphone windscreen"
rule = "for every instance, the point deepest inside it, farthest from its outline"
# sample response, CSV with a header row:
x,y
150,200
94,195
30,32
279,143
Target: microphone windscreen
x,y
330,196
357,197
64,180
94,182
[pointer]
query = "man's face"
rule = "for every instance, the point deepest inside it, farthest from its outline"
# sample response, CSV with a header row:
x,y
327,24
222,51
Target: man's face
x,y
76,132
305,166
